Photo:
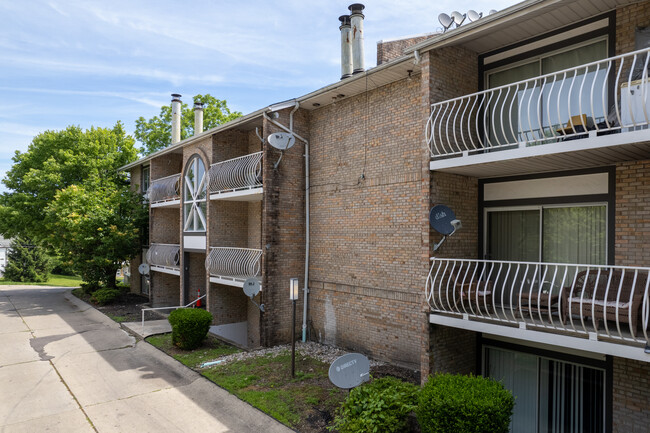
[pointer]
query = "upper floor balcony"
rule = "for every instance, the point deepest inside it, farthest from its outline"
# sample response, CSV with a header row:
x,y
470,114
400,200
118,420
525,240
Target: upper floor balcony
x,y
165,191
591,115
233,266
602,309
164,258
237,179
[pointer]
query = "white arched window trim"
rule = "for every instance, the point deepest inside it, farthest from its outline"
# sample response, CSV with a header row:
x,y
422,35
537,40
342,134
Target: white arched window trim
x,y
195,196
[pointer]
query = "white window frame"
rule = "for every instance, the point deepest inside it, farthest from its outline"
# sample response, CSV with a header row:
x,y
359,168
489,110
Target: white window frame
x,y
195,217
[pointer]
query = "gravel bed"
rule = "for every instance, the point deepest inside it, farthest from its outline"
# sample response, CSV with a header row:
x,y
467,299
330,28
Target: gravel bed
x,y
322,352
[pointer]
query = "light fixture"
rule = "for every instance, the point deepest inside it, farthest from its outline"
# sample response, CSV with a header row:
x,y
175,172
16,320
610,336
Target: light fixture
x,y
410,72
315,104
293,289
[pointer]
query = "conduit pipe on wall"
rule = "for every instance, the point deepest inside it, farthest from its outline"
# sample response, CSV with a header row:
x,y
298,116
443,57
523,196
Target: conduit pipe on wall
x,y
306,287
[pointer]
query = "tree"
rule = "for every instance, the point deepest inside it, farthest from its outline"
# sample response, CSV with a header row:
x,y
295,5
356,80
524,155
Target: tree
x,y
54,161
156,133
67,193
26,262
96,228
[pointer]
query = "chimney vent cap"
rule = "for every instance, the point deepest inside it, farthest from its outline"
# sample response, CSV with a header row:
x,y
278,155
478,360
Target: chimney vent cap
x,y
356,8
176,97
198,105
345,20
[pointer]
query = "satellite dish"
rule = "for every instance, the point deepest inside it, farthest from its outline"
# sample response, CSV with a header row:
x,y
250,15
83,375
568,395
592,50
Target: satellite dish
x,y
252,287
143,269
458,18
349,370
440,218
472,15
445,21
281,140
492,11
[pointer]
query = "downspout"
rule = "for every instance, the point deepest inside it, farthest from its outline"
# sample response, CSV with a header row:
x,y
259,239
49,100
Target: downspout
x,y
305,287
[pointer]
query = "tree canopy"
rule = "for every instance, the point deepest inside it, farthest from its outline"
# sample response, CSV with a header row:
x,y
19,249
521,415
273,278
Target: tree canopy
x,y
67,194
156,133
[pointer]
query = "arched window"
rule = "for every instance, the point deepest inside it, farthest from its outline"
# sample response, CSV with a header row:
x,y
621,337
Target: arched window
x,y
195,196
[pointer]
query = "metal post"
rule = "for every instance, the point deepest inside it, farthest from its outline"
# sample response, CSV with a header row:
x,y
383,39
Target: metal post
x,y
293,340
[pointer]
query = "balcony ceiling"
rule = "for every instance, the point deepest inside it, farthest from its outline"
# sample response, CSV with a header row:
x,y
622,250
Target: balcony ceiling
x,y
571,155
520,22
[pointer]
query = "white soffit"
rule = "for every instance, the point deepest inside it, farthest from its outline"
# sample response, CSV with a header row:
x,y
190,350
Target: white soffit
x,y
586,184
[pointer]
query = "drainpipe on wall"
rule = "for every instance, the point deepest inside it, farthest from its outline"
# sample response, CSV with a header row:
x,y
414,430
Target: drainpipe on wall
x,y
176,118
198,117
306,282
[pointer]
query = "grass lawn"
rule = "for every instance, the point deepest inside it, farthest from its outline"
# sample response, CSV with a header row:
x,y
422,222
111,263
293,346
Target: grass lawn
x,y
305,403
55,280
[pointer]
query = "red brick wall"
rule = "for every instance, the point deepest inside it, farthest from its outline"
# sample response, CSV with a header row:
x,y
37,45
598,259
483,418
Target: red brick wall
x,y
632,224
165,228
631,396
628,18
228,304
165,165
165,290
452,351
387,51
283,230
367,266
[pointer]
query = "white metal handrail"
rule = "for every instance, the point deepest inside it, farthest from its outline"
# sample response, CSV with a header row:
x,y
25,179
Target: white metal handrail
x,y
244,172
176,307
165,189
549,296
546,109
164,255
237,263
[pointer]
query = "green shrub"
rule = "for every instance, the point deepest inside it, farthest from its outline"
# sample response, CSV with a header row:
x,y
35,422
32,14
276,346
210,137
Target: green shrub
x,y
90,287
124,288
382,405
189,327
462,404
26,262
105,296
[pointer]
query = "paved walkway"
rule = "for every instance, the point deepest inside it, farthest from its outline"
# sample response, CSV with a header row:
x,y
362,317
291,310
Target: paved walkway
x,y
65,367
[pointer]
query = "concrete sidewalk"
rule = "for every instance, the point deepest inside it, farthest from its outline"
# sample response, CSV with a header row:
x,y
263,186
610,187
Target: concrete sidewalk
x,y
65,367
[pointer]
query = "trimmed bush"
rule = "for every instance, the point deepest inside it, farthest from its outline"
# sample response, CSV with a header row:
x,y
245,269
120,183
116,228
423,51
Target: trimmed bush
x,y
189,327
382,405
105,296
463,404
90,288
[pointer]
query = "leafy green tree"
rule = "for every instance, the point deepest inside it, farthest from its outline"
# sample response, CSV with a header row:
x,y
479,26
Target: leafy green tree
x,y
96,228
54,161
156,133
26,262
66,192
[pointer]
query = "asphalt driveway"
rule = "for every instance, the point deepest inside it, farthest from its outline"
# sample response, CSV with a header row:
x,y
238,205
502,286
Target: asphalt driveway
x,y
65,367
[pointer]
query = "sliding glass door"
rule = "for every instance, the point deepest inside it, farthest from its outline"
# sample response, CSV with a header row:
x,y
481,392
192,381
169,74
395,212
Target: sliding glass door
x,y
552,396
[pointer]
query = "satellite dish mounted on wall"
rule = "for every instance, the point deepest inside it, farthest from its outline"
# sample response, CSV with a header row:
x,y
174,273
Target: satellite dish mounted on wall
x,y
251,288
143,269
281,140
444,221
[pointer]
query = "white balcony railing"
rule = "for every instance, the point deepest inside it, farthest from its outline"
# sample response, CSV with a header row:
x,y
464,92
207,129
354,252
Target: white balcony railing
x,y
165,189
606,96
166,256
244,172
608,301
234,264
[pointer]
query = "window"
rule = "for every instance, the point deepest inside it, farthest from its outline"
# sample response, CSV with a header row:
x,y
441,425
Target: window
x,y
195,196
552,396
550,103
551,234
146,179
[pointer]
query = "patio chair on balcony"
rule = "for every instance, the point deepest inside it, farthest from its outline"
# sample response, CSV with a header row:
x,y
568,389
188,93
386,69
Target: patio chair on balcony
x,y
475,296
587,299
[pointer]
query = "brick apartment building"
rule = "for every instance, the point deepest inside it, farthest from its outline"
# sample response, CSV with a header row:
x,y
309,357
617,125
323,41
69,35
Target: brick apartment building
x,y
531,124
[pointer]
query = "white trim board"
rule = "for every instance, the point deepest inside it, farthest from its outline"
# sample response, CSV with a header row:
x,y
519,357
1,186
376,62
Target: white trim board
x,y
586,184
165,270
559,341
253,194
170,203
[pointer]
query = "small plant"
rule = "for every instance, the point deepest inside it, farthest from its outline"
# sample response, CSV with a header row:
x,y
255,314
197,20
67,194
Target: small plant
x,y
382,405
462,404
90,287
105,296
189,327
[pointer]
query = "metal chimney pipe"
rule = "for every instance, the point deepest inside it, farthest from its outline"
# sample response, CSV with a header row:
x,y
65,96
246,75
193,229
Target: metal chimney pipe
x,y
176,118
346,47
356,21
198,117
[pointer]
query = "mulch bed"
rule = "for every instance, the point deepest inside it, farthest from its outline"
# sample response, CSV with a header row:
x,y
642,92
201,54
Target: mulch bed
x,y
128,307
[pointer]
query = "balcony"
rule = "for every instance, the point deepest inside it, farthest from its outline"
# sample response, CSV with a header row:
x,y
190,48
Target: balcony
x,y
233,266
591,115
164,258
237,179
165,191
595,308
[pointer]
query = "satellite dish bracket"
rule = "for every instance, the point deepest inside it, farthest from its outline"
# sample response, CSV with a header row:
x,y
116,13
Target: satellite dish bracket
x,y
457,225
260,306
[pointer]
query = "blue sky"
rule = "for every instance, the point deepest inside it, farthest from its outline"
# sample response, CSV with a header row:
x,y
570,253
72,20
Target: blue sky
x,y
92,63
